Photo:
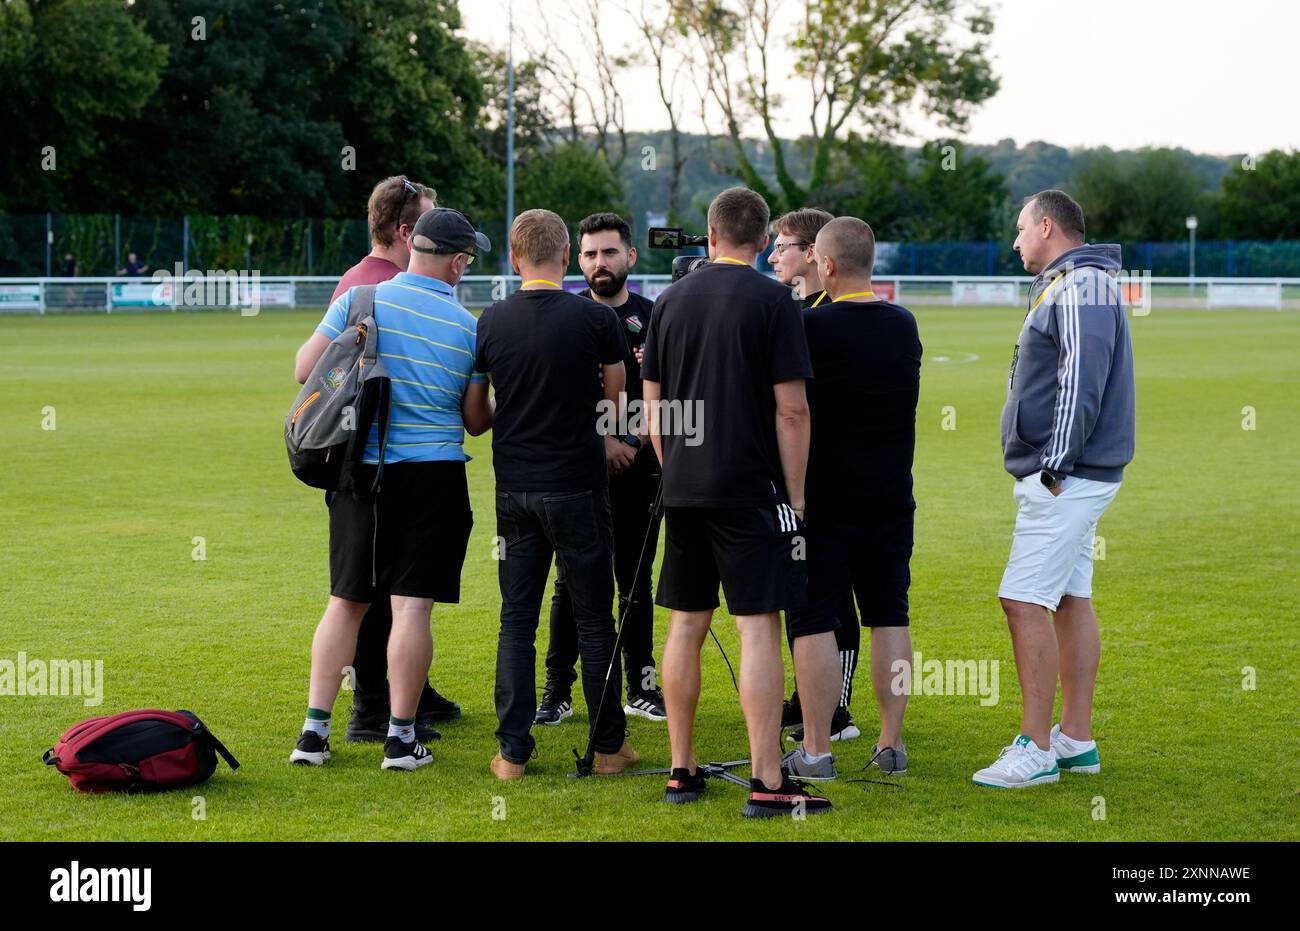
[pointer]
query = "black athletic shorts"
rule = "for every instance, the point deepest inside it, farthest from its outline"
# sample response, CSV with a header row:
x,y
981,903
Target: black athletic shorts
x,y
871,554
757,554
410,539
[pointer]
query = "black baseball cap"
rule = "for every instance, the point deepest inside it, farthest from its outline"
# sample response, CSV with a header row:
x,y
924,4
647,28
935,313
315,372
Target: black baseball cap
x,y
443,230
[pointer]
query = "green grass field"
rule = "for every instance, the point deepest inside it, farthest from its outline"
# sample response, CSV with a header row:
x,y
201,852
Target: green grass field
x,y
169,428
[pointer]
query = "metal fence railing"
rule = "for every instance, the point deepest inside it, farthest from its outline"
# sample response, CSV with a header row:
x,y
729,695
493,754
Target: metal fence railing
x,y
252,293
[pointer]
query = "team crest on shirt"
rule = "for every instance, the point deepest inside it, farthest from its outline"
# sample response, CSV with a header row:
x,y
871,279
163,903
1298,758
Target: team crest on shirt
x,y
334,377
633,323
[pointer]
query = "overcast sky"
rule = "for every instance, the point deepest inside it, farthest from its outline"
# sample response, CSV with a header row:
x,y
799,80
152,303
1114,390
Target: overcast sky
x,y
1207,75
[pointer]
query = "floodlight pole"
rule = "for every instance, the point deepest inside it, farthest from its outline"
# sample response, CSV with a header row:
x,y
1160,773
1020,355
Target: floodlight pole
x,y
510,138
1191,255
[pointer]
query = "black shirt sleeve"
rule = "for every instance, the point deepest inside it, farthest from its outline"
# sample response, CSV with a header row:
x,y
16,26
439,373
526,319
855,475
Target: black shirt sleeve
x,y
609,335
650,354
788,357
481,363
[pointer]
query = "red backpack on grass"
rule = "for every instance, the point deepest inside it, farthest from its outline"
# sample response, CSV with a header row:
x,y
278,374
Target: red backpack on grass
x,y
138,751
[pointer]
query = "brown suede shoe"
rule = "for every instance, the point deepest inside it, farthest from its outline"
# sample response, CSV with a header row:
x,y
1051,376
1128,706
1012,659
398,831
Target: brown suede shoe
x,y
504,769
611,764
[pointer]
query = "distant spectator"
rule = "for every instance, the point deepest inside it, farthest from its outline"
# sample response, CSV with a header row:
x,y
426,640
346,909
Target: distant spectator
x,y
69,265
134,267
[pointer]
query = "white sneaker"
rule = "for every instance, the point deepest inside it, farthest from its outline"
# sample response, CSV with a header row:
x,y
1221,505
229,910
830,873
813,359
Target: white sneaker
x,y
1019,766
1075,756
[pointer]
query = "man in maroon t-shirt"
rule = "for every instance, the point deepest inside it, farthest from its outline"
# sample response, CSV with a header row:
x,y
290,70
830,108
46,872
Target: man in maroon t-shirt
x,y
395,204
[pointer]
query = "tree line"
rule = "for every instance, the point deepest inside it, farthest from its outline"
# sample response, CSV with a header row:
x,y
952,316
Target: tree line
x,y
293,110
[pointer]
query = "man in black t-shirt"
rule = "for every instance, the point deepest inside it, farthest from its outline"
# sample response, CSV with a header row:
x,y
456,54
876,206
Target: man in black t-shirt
x,y
723,376
867,354
818,711
133,267
606,255
547,354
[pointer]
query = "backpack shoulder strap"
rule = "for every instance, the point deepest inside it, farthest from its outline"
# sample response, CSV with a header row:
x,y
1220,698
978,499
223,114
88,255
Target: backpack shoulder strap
x,y
360,308
362,304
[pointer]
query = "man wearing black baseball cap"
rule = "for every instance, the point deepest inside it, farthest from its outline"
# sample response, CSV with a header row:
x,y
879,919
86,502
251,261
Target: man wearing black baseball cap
x,y
444,231
406,544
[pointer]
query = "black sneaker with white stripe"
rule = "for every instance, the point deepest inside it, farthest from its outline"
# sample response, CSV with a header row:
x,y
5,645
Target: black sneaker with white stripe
x,y
312,750
842,728
648,705
398,754
553,709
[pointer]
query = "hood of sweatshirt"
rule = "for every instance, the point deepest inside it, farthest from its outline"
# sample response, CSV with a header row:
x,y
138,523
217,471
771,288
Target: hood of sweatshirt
x,y
1103,255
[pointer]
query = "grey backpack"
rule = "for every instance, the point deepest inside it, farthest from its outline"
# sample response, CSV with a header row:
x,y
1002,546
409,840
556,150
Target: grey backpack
x,y
328,426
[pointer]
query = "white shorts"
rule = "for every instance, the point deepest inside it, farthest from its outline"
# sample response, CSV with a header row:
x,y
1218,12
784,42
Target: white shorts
x,y
1051,549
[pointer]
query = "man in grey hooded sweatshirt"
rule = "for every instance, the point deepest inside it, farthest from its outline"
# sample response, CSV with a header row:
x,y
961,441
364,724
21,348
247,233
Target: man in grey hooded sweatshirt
x,y
1067,432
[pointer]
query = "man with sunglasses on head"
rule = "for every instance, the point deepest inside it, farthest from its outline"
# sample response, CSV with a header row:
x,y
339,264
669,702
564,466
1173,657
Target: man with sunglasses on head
x,y
395,205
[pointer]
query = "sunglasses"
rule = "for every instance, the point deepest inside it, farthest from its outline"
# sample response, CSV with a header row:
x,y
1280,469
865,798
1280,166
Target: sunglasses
x,y
410,189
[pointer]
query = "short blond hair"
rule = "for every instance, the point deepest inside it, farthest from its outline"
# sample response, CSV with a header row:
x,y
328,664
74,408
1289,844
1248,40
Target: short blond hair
x,y
538,237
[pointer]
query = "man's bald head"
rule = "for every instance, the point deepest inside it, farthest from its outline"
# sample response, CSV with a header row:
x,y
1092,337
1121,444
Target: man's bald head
x,y
850,245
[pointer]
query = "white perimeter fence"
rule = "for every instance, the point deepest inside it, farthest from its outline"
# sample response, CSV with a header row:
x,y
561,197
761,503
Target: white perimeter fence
x,y
251,293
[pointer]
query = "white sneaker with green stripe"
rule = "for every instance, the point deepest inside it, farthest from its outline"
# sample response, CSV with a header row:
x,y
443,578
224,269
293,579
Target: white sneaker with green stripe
x,y
1019,766
1075,756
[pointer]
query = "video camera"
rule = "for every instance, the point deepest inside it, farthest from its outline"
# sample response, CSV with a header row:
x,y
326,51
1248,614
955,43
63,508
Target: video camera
x,y
662,237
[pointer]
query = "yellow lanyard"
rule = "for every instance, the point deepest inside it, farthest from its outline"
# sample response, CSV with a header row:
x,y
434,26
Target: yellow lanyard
x,y
727,258
845,297
1033,306
821,297
538,281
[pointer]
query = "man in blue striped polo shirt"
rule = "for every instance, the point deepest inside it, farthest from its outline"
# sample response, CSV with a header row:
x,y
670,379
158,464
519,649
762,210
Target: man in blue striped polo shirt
x,y
408,541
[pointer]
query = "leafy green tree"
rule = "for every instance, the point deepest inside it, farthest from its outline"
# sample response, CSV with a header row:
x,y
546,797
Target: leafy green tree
x,y
1261,198
866,64
572,180
875,187
239,106
941,193
409,98
67,68
955,198
1146,195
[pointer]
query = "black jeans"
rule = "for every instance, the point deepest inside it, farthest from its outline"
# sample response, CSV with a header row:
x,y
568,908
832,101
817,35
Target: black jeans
x,y
631,496
574,527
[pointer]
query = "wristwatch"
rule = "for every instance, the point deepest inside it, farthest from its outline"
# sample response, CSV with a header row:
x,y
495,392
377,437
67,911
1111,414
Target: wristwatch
x,y
631,440
1050,478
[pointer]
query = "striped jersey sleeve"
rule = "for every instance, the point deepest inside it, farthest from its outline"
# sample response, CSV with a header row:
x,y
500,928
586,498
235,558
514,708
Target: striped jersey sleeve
x,y
336,317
